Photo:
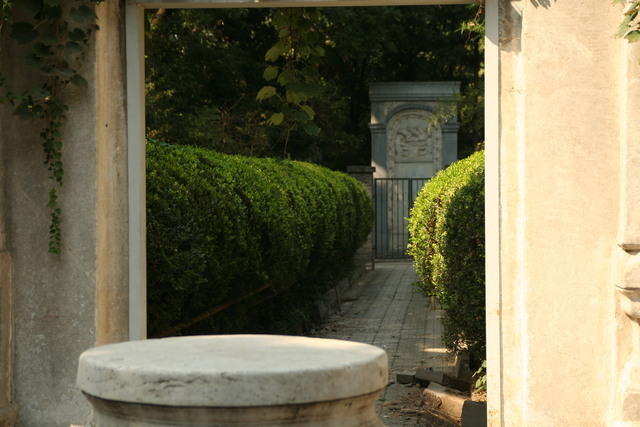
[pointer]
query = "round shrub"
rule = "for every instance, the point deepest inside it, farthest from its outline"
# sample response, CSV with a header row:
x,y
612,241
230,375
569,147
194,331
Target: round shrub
x,y
237,231
447,245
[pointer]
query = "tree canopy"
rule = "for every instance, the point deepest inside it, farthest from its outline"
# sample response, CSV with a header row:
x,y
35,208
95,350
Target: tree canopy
x,y
294,82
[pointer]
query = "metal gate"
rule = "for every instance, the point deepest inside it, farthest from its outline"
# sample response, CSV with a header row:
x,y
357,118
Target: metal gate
x,y
393,198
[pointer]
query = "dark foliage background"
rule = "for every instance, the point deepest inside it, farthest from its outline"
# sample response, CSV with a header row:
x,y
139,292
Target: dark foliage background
x,y
205,67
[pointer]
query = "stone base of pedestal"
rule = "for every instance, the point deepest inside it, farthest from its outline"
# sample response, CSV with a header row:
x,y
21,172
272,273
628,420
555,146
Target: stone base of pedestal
x,y
354,412
229,380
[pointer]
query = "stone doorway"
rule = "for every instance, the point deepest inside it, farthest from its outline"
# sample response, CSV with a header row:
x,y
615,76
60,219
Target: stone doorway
x,y
136,137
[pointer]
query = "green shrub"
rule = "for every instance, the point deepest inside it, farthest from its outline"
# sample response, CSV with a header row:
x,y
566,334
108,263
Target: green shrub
x,y
221,227
447,246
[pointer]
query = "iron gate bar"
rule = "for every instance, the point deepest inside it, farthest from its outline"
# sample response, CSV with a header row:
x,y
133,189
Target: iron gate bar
x,y
393,200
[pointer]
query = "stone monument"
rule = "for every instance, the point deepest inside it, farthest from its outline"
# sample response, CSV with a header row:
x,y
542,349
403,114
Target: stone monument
x,y
414,134
406,141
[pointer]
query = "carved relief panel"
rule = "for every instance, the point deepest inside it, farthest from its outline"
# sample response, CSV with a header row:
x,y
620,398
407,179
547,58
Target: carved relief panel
x,y
411,140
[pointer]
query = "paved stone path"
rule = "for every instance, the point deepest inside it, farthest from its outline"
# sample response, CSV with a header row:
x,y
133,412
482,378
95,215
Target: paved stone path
x,y
384,308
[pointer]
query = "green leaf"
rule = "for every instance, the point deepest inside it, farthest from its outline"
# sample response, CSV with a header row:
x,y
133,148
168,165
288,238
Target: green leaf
x,y
23,32
24,110
39,93
73,47
307,109
78,80
286,77
266,93
311,129
633,36
300,116
275,52
65,73
270,73
276,119
77,35
294,97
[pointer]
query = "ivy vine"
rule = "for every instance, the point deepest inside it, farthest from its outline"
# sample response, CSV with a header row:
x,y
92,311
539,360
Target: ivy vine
x,y
54,35
630,26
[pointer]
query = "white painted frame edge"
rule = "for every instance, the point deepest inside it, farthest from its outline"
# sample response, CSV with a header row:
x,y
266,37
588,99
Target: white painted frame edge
x,y
136,164
492,206
134,34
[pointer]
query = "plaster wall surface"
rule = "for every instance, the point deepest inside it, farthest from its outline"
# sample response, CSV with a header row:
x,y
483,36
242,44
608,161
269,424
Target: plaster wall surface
x,y
64,304
559,177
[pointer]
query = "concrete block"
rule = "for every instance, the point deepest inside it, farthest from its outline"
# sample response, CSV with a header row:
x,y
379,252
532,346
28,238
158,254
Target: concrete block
x,y
405,378
474,414
425,377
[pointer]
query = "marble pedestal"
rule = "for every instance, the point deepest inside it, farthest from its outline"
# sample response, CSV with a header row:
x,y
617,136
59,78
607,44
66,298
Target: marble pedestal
x,y
234,380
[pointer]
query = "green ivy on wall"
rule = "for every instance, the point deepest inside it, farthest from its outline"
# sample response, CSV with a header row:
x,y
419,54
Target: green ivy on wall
x,y
55,35
630,26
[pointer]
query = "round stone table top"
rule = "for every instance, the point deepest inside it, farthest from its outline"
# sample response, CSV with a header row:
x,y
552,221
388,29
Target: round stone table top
x,y
232,370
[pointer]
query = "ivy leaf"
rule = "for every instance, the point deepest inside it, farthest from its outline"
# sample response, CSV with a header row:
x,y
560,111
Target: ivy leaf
x,y
623,27
23,32
311,129
276,119
73,47
39,93
77,35
270,73
82,14
65,73
24,110
79,81
633,36
266,93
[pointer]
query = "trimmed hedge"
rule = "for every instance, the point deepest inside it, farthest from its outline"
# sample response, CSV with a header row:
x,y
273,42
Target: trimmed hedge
x,y
221,228
447,246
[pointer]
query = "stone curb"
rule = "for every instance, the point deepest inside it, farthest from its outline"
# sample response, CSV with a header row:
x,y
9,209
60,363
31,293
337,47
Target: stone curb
x,y
450,404
444,401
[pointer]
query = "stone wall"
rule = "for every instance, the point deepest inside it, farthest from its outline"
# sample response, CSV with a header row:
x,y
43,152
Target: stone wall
x,y
554,355
64,304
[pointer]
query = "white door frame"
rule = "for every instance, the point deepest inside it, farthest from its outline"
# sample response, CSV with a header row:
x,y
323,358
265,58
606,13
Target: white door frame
x,y
136,160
